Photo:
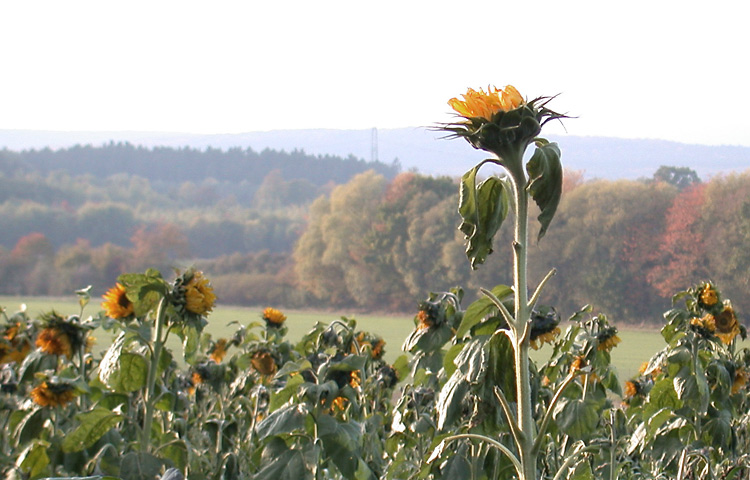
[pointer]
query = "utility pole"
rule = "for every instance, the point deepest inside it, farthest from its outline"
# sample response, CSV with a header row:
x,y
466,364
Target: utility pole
x,y
374,145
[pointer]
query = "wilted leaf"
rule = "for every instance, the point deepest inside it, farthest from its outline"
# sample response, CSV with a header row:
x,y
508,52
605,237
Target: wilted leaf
x,y
482,309
483,209
545,181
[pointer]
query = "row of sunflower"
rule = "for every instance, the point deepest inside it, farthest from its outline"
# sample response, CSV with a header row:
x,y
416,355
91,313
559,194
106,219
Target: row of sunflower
x,y
253,405
257,405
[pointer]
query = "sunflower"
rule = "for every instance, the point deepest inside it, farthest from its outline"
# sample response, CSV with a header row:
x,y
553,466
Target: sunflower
x,y
377,349
545,337
481,104
726,325
60,336
740,380
608,339
424,320
264,363
50,394
704,326
632,388
116,303
219,351
273,317
578,363
199,295
708,296
13,347
339,404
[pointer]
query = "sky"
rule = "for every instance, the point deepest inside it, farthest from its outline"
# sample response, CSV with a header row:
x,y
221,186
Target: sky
x,y
631,69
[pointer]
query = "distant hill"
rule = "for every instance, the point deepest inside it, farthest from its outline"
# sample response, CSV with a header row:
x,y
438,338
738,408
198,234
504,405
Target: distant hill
x,y
422,149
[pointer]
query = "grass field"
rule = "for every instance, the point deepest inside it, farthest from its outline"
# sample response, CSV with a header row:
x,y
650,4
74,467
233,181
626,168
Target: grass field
x,y
637,344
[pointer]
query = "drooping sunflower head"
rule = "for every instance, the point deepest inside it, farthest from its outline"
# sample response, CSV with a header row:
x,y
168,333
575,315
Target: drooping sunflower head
x,y
14,343
705,326
60,336
727,327
741,377
273,317
387,376
116,303
264,363
199,294
428,315
708,296
632,388
53,394
219,350
544,326
607,339
498,120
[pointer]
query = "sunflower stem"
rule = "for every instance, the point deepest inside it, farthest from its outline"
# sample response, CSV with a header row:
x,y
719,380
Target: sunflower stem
x,y
149,399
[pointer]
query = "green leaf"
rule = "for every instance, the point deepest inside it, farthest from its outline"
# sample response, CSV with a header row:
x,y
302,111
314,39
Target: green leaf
x,y
34,460
289,465
144,290
282,396
30,426
176,452
123,371
341,443
483,210
140,466
482,309
545,181
662,395
93,425
451,396
578,418
284,420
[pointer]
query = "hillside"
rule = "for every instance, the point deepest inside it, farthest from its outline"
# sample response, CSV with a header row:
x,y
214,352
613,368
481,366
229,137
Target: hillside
x,y
422,149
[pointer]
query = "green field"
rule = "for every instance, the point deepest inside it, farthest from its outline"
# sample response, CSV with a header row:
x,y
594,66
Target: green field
x,y
637,344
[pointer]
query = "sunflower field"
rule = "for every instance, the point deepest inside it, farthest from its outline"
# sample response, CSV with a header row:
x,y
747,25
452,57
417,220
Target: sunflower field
x,y
463,401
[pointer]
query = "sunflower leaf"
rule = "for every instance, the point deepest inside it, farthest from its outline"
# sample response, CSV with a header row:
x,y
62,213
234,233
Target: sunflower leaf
x,y
545,181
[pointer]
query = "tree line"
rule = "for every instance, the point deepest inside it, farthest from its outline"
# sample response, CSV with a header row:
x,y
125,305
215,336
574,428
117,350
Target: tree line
x,y
378,242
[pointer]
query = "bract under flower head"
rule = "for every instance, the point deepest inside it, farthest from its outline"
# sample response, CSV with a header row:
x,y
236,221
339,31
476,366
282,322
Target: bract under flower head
x,y
199,295
116,303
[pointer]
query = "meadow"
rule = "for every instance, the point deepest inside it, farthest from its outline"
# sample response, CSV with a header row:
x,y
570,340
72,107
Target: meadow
x,y
638,343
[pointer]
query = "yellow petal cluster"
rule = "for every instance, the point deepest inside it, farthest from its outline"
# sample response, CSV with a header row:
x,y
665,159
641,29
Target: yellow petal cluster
x,y
199,295
273,316
116,303
50,394
485,104
708,296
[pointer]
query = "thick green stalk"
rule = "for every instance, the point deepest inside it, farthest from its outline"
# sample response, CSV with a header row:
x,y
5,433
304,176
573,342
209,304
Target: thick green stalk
x,y
522,318
149,399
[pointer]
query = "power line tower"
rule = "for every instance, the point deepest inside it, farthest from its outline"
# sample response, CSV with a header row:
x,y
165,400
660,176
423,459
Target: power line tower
x,y
374,145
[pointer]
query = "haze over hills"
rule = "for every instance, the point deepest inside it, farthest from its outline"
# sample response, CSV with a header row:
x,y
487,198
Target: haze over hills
x,y
422,149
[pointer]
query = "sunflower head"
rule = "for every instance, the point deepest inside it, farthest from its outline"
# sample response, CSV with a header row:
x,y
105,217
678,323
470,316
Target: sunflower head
x,y
727,327
273,317
708,296
199,294
428,315
607,339
219,350
116,303
53,394
264,363
60,336
741,376
544,326
499,121
632,388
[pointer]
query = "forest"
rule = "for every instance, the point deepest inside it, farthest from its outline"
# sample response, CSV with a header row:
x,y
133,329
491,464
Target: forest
x,y
293,230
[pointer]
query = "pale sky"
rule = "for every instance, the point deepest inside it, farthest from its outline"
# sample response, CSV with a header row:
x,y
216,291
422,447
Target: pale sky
x,y
634,69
